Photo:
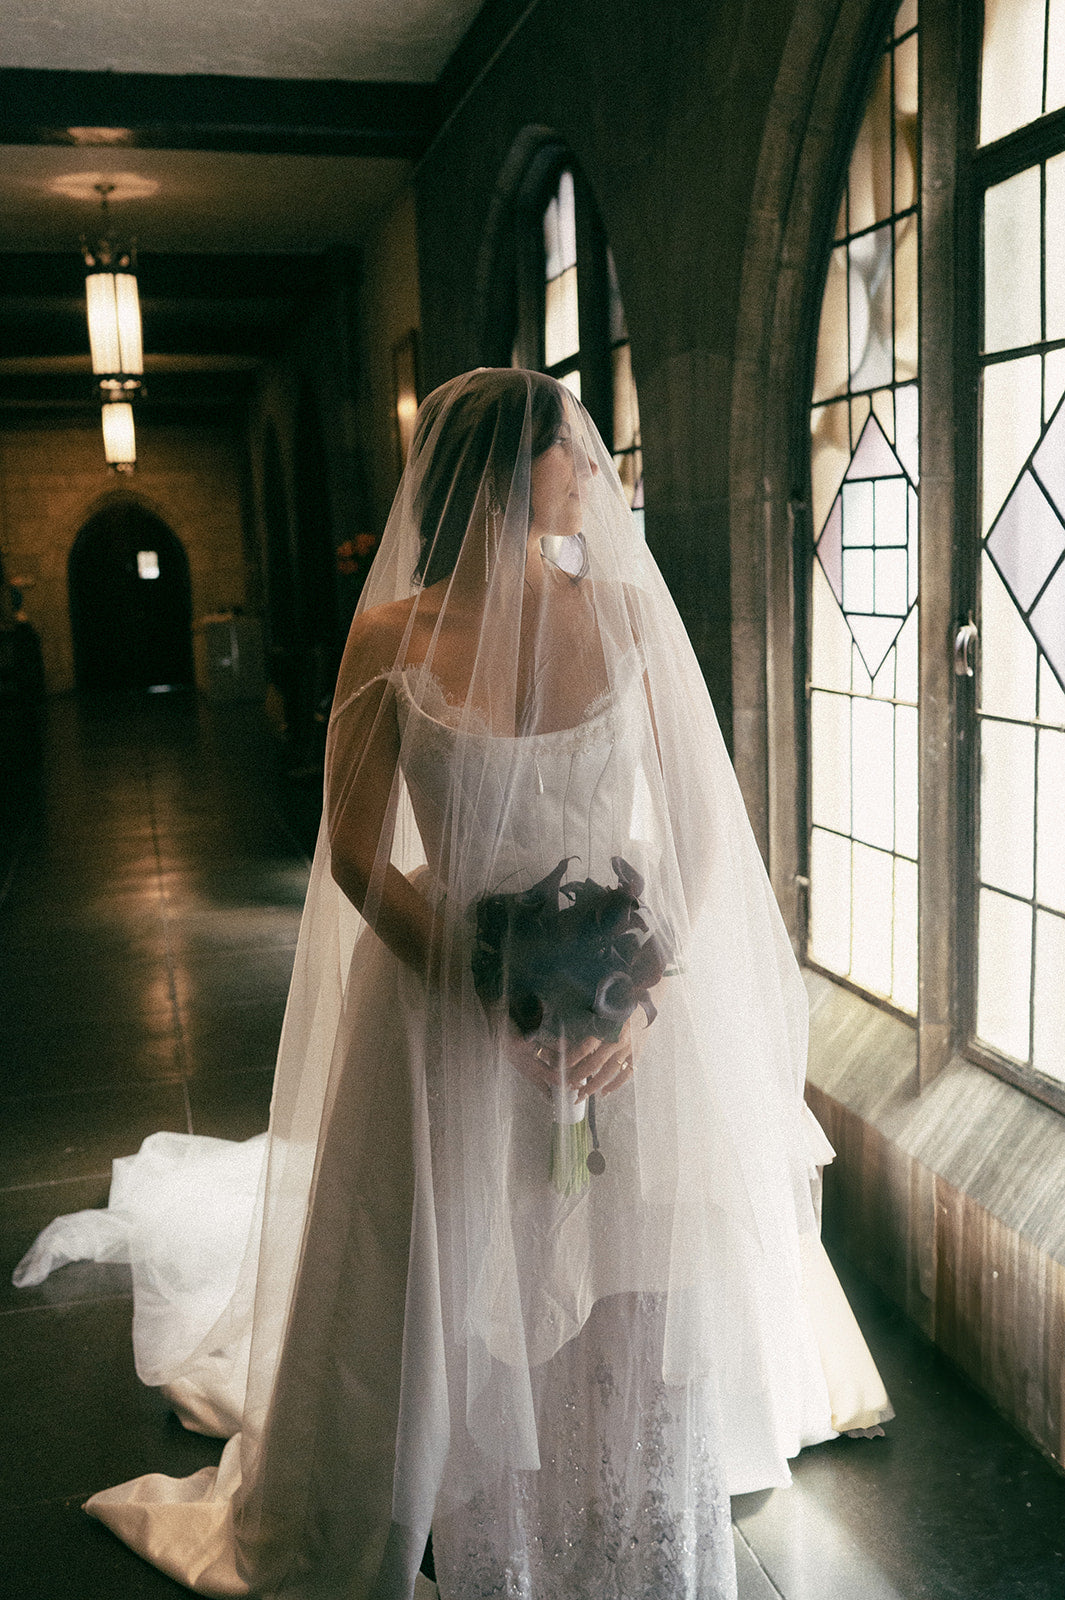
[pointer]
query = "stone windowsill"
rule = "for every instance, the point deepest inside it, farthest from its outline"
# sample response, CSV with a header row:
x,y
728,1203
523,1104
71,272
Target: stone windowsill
x,y
983,1136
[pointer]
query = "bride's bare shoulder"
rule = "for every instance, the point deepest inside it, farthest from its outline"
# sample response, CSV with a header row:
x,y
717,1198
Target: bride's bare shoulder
x,y
377,636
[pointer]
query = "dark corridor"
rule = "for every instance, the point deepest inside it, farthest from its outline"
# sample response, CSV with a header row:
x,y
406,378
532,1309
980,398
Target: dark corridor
x,y
130,602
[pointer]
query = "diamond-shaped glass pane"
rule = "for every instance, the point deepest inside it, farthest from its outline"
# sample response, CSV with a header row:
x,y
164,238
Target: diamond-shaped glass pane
x,y
1048,622
868,548
1026,541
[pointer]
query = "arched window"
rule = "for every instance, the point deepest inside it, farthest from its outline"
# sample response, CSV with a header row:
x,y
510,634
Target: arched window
x,y
979,643
862,600
570,319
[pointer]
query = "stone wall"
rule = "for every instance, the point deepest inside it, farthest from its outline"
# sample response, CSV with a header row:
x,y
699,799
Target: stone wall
x,y
52,479
663,108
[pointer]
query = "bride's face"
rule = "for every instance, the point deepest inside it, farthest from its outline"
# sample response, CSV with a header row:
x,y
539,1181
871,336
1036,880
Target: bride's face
x,y
555,487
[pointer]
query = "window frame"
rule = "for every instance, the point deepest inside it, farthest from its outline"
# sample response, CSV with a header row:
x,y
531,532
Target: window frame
x,y
981,167
593,359
806,149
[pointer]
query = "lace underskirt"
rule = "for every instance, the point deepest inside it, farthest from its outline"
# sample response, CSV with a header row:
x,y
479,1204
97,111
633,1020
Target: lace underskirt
x,y
629,1502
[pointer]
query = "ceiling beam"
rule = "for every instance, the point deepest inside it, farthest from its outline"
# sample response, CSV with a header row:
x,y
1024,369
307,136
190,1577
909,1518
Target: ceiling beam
x,y
163,111
196,275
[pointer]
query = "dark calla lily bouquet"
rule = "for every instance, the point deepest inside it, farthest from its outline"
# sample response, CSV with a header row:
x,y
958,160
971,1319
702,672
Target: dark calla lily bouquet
x,y
568,961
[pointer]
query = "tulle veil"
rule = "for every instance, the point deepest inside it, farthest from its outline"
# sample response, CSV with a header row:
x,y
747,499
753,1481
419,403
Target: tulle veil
x,y
366,1298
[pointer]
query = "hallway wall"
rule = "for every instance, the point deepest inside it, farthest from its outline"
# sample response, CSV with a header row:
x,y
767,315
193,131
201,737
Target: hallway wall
x,y
389,309
663,108
53,478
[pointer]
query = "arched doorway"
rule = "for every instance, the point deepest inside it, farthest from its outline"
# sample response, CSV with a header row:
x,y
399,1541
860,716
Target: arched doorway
x,y
130,602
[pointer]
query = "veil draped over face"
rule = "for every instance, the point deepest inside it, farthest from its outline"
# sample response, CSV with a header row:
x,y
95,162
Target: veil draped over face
x,y
519,714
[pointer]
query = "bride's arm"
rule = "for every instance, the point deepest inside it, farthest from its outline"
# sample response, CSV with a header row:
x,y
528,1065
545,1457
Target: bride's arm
x,y
361,820
362,763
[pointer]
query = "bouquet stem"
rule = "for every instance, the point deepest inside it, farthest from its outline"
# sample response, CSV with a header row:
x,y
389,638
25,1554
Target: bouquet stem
x,y
569,1156
569,1134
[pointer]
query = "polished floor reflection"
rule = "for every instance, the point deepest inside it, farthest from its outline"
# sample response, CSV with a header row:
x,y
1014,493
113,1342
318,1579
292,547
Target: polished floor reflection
x,y
151,874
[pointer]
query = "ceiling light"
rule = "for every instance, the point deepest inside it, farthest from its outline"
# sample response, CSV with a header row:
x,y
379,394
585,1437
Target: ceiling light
x,y
113,304
88,136
114,315
120,440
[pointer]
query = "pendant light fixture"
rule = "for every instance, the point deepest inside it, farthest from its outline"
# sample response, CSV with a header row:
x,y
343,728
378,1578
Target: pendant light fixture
x,y
114,314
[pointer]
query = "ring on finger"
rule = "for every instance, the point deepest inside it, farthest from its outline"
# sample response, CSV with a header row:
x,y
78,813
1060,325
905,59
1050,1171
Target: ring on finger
x,y
541,1054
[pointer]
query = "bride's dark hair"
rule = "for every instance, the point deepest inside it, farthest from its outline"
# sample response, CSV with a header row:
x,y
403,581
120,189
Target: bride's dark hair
x,y
474,445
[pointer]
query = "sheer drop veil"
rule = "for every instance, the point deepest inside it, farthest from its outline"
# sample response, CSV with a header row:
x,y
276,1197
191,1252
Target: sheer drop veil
x,y
535,904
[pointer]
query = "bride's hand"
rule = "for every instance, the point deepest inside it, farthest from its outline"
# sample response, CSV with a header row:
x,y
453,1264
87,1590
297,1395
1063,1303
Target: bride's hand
x,y
535,1060
597,1066
593,1066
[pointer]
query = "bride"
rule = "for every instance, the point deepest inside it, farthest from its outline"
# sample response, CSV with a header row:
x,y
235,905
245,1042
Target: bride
x,y
527,1253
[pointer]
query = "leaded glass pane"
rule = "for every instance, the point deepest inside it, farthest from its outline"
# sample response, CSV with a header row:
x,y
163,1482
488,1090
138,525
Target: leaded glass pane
x,y
560,228
1053,378
561,331
906,123
906,299
1011,78
628,454
870,293
869,188
561,336
863,605
906,781
830,778
1009,689
1048,1045
872,919
1021,713
905,17
832,344
906,668
1051,697
1055,247
1007,806
1050,824
873,802
904,940
906,423
619,329
830,900
1027,540
1012,245
1055,66
830,454
867,547
1004,969
830,642
626,408
1048,621
1012,401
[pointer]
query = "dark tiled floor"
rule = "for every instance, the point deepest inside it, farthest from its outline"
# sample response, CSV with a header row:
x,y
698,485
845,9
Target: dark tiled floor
x,y
151,873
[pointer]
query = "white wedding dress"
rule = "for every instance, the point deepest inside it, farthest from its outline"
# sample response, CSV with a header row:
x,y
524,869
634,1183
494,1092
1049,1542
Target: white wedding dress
x,y
445,1336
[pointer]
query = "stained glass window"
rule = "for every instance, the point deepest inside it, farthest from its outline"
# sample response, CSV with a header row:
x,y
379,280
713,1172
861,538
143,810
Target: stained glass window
x,y
585,338
628,448
1020,910
863,600
562,342
1023,66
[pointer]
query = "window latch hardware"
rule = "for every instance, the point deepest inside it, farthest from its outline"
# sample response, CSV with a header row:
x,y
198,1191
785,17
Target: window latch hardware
x,y
964,645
